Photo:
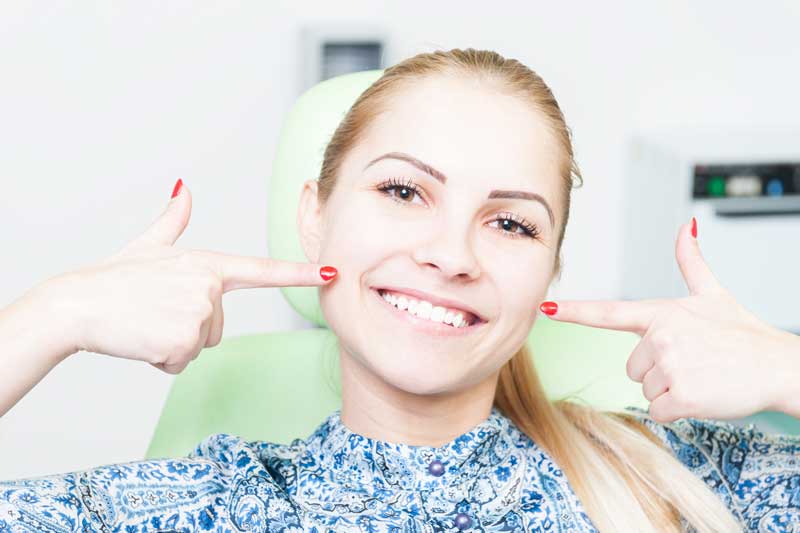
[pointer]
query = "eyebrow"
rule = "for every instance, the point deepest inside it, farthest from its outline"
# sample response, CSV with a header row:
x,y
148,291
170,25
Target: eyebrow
x,y
424,167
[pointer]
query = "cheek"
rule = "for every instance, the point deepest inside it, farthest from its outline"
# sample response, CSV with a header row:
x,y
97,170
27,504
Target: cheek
x,y
521,278
354,244
360,236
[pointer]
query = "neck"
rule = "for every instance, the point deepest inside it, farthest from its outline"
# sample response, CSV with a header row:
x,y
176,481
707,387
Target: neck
x,y
374,408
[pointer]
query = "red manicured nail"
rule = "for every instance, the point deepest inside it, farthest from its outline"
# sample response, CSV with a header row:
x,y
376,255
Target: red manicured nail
x,y
177,188
327,272
694,227
549,308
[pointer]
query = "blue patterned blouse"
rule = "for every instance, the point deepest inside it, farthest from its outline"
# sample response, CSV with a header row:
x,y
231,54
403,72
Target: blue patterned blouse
x,y
491,478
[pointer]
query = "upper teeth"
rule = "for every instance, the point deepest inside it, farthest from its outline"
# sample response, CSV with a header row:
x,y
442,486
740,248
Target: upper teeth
x,y
424,309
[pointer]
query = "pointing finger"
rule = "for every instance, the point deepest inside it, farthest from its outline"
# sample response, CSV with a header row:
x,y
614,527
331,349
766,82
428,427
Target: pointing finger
x,y
696,272
244,272
626,315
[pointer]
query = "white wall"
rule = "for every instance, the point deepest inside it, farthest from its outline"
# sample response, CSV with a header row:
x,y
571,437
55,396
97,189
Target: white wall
x,y
104,105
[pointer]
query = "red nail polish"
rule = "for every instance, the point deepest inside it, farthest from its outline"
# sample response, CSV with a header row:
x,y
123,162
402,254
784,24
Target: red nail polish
x,y
327,272
694,227
549,308
177,188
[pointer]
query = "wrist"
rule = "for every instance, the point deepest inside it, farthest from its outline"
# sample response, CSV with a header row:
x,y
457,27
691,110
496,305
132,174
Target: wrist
x,y
57,317
788,401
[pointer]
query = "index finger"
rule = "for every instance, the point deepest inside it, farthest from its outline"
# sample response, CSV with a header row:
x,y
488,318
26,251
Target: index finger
x,y
624,315
245,272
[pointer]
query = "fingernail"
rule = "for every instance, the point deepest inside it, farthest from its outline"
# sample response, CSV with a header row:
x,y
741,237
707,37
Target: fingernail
x,y
549,308
327,272
694,227
177,188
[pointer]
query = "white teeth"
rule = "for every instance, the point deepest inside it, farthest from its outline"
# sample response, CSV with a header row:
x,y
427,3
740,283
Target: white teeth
x,y
402,303
423,309
437,314
448,317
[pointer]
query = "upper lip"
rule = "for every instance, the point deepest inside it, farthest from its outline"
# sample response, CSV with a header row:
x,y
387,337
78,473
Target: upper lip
x,y
435,300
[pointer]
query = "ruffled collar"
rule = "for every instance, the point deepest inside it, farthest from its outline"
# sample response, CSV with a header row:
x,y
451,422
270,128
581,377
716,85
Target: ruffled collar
x,y
349,459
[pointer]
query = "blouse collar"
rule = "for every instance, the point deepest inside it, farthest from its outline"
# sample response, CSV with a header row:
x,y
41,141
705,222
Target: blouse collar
x,y
350,459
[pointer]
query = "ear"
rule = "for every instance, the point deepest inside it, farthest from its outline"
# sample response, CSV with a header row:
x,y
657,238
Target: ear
x,y
558,267
309,221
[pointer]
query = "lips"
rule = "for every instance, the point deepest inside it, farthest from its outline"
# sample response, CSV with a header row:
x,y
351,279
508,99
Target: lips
x,y
426,326
470,314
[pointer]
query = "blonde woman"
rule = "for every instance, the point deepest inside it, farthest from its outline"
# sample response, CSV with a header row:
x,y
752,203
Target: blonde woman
x,y
454,171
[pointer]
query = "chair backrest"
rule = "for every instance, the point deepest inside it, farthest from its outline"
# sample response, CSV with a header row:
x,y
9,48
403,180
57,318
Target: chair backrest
x,y
279,386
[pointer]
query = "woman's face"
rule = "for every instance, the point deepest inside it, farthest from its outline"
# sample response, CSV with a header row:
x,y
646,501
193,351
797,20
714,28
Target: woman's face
x,y
438,234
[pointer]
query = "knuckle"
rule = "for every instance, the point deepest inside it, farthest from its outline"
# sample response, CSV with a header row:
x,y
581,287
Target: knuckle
x,y
166,362
661,340
214,342
170,369
214,287
684,401
184,343
667,371
205,309
214,339
660,356
629,369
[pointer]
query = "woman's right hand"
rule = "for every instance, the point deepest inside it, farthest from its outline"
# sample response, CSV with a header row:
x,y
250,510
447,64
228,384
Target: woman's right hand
x,y
157,303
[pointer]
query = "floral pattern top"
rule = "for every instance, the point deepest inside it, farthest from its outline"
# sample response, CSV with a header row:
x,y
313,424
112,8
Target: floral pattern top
x,y
492,478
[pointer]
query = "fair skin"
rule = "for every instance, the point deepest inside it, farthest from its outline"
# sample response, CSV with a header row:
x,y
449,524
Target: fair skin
x,y
401,382
151,302
403,379
703,355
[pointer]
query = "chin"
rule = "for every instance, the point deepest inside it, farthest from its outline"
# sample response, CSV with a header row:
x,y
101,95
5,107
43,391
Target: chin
x,y
419,377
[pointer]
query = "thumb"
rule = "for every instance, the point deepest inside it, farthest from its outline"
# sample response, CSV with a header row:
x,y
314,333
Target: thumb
x,y
696,272
170,224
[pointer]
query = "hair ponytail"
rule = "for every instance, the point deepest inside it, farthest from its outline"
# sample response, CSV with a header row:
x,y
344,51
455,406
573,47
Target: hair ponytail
x,y
612,461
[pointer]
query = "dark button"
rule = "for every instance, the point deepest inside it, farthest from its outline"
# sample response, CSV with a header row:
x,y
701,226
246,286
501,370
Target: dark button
x,y
436,468
463,521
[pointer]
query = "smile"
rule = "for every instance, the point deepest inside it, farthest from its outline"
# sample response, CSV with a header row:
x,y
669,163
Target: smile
x,y
426,316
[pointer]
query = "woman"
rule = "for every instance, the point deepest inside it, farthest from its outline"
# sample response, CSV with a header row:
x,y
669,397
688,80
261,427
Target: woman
x,y
444,425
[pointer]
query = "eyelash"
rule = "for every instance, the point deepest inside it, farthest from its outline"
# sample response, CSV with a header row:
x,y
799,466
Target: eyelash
x,y
529,230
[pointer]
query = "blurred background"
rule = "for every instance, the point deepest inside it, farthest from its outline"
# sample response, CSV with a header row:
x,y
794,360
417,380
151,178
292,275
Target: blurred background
x,y
678,109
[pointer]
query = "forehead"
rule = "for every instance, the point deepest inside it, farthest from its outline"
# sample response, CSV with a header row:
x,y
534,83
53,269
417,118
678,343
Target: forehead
x,y
469,130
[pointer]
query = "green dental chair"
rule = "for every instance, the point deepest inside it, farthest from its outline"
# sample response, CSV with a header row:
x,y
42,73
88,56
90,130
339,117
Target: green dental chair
x,y
279,386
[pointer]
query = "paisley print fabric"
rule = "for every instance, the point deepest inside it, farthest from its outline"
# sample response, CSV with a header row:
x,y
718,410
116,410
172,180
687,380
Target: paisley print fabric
x,y
492,478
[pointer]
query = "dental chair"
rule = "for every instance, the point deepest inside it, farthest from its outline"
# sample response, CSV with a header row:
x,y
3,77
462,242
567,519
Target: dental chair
x,y
280,386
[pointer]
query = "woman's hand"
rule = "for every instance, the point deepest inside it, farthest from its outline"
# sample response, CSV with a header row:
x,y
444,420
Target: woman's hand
x,y
704,355
160,304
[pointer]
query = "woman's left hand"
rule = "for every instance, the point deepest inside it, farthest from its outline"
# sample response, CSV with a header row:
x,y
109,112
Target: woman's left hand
x,y
703,355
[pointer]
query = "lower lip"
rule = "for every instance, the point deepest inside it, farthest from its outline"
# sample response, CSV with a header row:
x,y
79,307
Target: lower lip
x,y
424,325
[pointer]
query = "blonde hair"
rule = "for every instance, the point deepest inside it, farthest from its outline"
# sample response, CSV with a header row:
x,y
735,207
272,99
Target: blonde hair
x,y
624,476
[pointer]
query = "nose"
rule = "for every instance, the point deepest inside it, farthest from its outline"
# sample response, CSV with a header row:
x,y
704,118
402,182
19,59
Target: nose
x,y
450,252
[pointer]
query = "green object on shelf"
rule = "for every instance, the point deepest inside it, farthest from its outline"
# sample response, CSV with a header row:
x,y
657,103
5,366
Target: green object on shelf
x,y
716,186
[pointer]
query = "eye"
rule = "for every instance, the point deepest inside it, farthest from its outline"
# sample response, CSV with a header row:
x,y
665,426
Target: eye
x,y
510,223
403,192
400,191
